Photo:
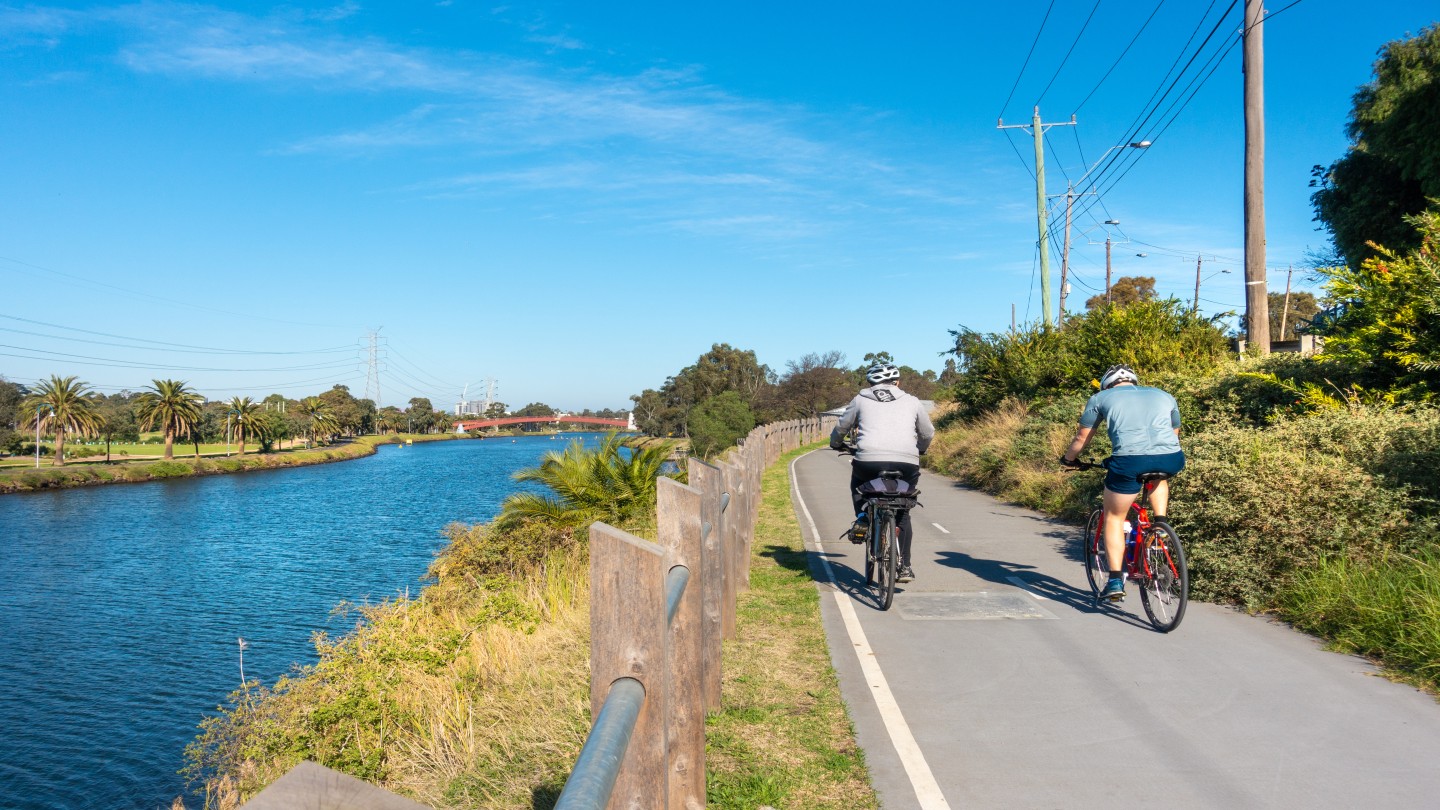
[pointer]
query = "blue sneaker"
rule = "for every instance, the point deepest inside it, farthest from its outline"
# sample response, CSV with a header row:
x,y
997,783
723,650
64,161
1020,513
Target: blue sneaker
x,y
1114,590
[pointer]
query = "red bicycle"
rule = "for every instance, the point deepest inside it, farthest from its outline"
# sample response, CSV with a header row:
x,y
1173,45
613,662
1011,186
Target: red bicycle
x,y
1154,557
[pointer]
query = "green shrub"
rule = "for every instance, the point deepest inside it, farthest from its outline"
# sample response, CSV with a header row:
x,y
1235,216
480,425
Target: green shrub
x,y
169,469
1256,505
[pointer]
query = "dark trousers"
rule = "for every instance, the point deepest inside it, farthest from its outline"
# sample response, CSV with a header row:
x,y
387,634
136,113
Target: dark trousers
x,y
862,471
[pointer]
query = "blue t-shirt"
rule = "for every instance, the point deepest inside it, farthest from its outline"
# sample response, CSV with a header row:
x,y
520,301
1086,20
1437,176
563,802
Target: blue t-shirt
x,y
1141,420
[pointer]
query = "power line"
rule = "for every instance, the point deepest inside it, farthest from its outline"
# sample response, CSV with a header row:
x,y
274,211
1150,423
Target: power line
x,y
1118,59
1027,60
1078,35
168,346
1136,124
1216,59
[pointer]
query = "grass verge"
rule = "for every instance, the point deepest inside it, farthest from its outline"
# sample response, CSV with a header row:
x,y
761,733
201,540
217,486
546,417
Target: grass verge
x,y
782,737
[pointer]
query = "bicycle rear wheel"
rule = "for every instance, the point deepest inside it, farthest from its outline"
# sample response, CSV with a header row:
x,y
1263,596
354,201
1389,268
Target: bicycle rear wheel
x,y
1097,568
1166,590
872,546
887,563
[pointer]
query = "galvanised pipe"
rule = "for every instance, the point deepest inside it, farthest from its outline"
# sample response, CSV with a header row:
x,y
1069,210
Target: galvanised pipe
x,y
675,581
598,765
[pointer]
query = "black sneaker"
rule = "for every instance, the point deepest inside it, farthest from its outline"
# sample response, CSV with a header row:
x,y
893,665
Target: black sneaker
x,y
907,574
857,531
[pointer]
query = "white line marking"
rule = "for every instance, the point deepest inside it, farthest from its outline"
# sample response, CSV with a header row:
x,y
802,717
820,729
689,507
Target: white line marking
x,y
927,791
941,528
1026,586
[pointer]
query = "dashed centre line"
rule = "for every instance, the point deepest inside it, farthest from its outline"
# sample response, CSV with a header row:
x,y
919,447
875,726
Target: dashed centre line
x,y
942,529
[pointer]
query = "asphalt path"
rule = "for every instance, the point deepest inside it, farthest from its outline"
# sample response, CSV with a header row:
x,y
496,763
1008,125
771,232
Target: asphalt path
x,y
994,680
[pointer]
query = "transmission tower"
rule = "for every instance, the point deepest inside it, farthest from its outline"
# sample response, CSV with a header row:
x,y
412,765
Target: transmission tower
x,y
372,376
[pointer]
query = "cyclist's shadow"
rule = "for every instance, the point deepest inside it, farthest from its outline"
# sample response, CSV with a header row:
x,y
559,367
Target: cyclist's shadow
x,y
1081,600
849,581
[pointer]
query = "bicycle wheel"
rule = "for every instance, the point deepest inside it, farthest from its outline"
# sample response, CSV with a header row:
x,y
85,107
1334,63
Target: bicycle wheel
x,y
888,563
1166,589
1097,568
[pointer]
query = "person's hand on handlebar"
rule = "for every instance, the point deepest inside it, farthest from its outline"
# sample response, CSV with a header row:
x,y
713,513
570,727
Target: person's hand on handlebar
x,y
1073,464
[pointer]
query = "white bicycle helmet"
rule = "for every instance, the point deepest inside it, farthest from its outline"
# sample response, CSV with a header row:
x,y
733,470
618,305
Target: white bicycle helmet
x,y
882,373
1117,374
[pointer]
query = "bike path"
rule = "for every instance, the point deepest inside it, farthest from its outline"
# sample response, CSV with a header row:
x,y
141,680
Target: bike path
x,y
995,681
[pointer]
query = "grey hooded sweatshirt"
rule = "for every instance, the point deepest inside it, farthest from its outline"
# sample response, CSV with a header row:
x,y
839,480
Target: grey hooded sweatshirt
x,y
893,425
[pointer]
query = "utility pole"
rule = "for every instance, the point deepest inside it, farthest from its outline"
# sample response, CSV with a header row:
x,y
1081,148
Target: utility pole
x,y
1257,301
1038,128
1195,307
1107,268
1065,257
1285,310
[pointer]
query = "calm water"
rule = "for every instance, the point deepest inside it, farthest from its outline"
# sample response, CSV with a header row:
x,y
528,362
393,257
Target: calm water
x,y
120,605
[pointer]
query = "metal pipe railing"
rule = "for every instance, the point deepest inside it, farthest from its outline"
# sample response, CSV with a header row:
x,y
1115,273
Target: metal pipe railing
x,y
597,769
598,765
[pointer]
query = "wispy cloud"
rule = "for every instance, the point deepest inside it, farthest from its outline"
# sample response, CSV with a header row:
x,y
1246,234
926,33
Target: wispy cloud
x,y
526,125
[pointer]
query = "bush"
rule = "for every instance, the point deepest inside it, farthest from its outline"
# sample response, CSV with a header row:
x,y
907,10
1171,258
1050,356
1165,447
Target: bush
x,y
1256,505
1156,337
168,469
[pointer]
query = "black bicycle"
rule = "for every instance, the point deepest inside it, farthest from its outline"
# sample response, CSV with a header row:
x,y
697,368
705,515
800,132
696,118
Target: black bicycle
x,y
886,499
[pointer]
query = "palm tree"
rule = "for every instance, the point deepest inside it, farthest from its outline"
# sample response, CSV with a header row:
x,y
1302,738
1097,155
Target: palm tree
x,y
60,405
611,483
247,419
170,405
322,418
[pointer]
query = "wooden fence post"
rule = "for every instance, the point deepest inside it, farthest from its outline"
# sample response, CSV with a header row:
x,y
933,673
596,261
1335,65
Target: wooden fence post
x,y
708,481
627,640
734,517
677,511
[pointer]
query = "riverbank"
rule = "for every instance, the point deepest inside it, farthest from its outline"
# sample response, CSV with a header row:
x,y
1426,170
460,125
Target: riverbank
x,y
92,472
127,472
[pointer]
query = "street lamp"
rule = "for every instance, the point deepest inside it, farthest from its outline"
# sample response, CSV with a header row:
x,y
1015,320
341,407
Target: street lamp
x,y
39,408
228,414
1195,305
1069,204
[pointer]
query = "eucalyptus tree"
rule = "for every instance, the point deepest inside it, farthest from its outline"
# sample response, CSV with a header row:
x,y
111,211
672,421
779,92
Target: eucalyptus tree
x,y
245,415
172,407
60,405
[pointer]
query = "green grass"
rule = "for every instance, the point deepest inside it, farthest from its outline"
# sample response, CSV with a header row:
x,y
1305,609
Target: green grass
x,y
782,736
1387,609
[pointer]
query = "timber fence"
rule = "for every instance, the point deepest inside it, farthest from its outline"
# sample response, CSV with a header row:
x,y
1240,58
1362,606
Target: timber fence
x,y
658,613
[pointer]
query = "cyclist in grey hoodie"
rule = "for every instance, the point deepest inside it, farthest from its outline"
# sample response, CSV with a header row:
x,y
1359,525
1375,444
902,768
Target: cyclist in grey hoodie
x,y
892,429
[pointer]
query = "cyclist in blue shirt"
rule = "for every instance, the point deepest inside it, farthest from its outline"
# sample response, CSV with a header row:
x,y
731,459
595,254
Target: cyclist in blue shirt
x,y
1144,428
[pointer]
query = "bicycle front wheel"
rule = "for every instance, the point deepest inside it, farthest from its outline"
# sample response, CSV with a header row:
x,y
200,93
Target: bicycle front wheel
x,y
1097,568
1166,589
887,564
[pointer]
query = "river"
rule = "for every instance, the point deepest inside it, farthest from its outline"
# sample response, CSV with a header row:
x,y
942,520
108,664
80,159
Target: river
x,y
121,605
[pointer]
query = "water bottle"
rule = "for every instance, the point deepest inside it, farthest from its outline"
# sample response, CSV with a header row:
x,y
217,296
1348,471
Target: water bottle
x,y
1130,533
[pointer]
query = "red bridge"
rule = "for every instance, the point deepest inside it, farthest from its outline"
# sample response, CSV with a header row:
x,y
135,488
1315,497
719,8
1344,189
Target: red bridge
x,y
472,424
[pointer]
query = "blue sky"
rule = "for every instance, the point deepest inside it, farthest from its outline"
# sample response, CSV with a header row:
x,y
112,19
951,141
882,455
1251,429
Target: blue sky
x,y
577,201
